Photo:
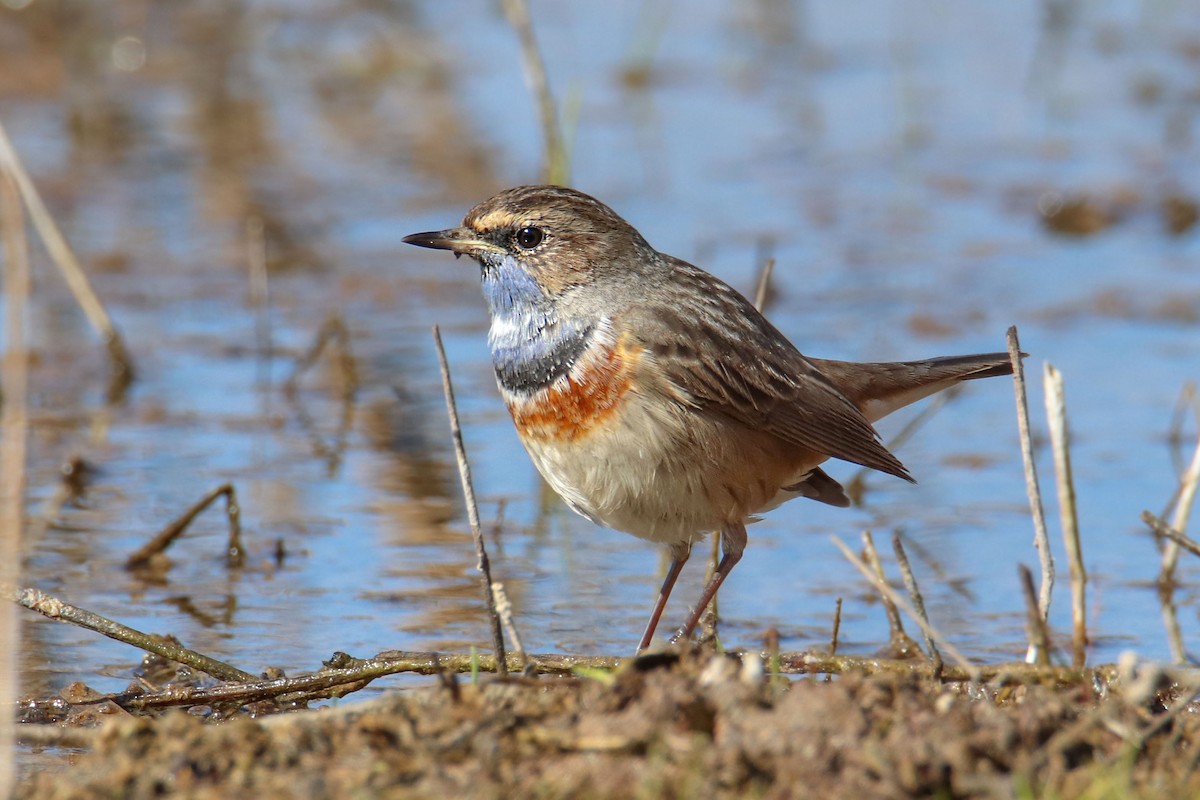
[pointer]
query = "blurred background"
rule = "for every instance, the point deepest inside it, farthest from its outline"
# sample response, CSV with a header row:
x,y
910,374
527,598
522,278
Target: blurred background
x,y
233,175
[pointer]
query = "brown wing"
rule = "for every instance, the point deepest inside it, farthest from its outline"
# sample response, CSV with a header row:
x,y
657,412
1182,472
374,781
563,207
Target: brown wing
x,y
724,357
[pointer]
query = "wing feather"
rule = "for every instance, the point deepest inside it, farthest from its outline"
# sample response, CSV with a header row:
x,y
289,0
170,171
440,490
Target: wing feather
x,y
719,352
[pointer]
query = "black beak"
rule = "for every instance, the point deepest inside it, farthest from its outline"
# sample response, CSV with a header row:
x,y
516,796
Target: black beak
x,y
461,241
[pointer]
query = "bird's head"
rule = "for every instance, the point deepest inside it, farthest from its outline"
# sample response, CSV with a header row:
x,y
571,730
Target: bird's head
x,y
558,237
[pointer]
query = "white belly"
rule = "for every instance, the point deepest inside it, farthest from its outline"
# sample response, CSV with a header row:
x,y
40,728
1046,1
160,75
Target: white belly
x,y
662,473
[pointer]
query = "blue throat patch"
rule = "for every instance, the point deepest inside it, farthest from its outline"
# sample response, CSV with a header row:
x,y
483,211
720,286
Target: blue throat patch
x,y
531,346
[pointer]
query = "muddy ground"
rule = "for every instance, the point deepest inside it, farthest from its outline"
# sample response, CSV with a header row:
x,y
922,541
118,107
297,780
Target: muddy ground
x,y
706,726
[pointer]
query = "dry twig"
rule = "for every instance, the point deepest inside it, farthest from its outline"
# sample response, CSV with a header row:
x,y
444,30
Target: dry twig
x,y
1041,538
1056,415
837,628
56,609
504,609
1039,636
1164,530
1170,555
895,624
914,592
464,470
966,666
235,553
77,280
1189,483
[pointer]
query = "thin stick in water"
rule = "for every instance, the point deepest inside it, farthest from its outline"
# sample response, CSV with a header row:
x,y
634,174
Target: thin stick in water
x,y
914,592
837,628
504,609
1170,557
895,624
56,609
970,669
64,257
234,551
1188,486
1041,538
1056,415
464,470
1167,532
1039,636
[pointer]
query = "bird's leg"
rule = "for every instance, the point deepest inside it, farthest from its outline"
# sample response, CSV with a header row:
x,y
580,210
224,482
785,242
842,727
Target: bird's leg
x,y
733,543
679,557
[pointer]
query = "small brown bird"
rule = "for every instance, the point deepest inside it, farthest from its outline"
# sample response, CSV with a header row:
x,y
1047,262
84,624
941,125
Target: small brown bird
x,y
653,397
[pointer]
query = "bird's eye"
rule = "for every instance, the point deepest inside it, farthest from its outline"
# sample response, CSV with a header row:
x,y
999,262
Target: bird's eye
x,y
529,237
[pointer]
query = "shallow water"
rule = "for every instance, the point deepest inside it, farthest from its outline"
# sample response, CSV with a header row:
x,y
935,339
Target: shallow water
x,y
893,160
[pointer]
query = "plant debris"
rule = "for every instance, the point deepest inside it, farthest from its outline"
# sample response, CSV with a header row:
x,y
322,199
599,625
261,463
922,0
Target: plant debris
x,y
704,725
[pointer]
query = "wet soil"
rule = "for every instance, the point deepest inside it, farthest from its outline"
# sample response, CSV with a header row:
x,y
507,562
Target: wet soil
x,y
705,726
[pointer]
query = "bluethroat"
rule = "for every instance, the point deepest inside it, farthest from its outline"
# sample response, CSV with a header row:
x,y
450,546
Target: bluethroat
x,y
653,397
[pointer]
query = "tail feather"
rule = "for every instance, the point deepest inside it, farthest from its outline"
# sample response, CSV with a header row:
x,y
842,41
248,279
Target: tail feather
x,y
879,389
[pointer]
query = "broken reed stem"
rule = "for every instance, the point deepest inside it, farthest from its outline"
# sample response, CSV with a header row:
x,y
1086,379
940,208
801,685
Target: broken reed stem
x,y
764,284
771,646
1039,636
894,622
1167,532
321,685
1056,415
76,278
345,675
558,168
837,627
1170,557
966,668
14,436
464,471
1041,537
914,592
1170,615
504,609
234,552
1188,486
56,609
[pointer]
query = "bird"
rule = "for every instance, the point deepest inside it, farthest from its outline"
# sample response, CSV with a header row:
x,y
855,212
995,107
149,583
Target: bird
x,y
652,396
